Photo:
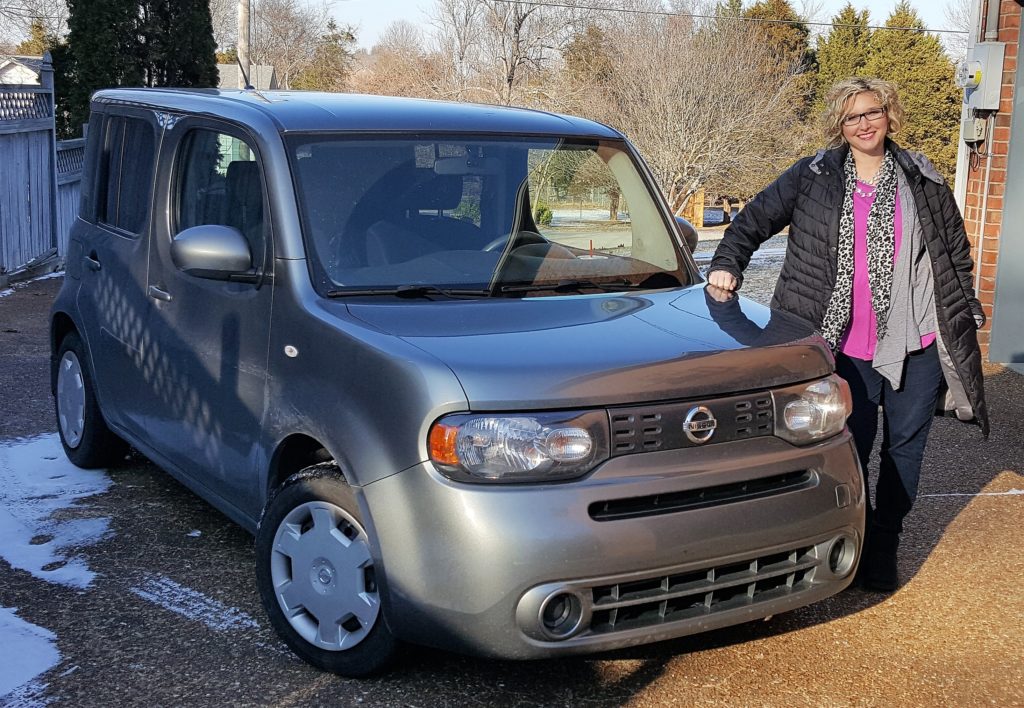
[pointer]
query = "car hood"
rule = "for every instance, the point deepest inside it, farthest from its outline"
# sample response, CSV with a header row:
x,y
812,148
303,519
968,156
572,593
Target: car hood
x,y
587,350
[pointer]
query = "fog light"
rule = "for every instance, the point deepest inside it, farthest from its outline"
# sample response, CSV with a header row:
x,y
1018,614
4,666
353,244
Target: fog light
x,y
561,614
841,556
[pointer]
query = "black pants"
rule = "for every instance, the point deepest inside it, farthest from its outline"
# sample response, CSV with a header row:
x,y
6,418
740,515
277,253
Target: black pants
x,y
906,419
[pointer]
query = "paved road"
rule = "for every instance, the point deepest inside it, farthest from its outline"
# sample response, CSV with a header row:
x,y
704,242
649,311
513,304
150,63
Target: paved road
x,y
172,616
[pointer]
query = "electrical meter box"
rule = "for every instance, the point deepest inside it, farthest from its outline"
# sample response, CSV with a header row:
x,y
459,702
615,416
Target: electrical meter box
x,y
981,76
972,130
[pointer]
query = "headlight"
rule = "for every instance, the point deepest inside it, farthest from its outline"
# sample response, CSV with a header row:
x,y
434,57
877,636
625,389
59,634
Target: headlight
x,y
538,447
811,412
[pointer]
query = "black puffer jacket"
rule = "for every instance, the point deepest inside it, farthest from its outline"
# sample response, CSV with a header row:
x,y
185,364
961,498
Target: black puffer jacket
x,y
808,198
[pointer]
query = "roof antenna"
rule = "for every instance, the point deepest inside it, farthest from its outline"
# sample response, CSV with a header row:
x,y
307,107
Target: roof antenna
x,y
248,86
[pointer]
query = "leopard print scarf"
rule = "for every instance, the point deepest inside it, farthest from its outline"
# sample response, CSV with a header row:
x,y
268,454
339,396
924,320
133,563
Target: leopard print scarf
x,y
881,237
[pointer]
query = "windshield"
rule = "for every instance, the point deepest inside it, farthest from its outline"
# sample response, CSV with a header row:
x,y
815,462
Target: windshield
x,y
479,216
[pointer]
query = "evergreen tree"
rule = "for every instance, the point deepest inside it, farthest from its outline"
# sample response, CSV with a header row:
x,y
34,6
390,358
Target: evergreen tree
x,y
784,30
130,43
915,62
103,51
729,8
788,37
332,62
38,41
177,47
228,56
843,52
588,56
68,125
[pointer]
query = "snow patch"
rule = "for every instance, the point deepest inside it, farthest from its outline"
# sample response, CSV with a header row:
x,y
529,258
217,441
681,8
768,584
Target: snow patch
x,y
36,482
26,652
22,283
192,604
29,695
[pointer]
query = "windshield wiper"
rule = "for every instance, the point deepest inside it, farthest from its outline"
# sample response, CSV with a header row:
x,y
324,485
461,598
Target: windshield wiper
x,y
571,286
409,291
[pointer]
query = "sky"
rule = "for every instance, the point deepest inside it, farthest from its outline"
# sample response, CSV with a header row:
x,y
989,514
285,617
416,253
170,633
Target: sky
x,y
371,17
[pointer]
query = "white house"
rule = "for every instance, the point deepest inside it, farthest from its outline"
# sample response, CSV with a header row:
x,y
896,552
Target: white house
x,y
20,70
261,76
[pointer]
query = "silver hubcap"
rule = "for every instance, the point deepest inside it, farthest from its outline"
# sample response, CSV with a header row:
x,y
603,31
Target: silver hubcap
x,y
70,399
323,576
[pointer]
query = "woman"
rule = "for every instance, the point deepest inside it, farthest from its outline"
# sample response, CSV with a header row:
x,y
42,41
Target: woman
x,y
878,260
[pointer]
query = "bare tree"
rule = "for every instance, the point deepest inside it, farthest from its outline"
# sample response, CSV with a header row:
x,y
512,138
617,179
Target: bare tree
x,y
399,65
286,34
17,17
224,14
958,17
457,36
518,38
501,51
707,103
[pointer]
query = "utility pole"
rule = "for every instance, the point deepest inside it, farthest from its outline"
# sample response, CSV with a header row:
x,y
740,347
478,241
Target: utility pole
x,y
243,44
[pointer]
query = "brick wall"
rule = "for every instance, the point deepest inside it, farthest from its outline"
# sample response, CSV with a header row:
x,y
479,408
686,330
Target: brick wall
x,y
998,149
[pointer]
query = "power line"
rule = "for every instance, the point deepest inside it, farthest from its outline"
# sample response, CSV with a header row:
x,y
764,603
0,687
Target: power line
x,y
666,13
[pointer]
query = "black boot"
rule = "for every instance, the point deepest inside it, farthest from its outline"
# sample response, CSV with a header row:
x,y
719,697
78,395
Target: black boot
x,y
878,570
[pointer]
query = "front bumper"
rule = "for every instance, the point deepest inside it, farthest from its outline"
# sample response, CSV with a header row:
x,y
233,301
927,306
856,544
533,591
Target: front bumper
x,y
474,567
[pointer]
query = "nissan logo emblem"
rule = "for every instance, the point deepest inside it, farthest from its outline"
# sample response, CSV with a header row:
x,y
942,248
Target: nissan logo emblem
x,y
699,425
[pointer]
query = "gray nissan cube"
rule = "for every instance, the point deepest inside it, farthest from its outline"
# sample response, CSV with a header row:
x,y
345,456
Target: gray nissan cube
x,y
454,366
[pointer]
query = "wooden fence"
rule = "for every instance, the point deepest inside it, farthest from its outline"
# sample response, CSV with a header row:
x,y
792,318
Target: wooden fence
x,y
28,180
70,158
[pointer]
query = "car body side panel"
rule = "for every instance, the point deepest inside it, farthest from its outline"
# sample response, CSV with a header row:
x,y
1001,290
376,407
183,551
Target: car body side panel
x,y
206,381
367,396
111,305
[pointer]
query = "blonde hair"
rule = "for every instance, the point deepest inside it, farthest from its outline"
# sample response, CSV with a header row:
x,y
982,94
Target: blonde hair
x,y
840,95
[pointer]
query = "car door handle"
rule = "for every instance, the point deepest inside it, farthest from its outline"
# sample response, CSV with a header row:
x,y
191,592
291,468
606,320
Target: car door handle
x,y
158,294
92,263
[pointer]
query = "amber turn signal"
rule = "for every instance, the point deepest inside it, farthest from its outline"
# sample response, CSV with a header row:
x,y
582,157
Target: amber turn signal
x,y
442,444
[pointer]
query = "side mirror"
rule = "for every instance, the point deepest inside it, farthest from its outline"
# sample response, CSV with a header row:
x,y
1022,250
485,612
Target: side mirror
x,y
213,252
688,232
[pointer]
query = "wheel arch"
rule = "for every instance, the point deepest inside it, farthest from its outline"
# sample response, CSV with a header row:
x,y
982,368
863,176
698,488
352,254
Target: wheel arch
x,y
294,454
61,325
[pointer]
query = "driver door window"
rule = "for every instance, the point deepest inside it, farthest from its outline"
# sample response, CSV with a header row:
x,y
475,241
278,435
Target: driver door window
x,y
221,184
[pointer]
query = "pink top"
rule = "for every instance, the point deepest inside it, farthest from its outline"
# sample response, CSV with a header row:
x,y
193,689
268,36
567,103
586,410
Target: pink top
x,y
861,335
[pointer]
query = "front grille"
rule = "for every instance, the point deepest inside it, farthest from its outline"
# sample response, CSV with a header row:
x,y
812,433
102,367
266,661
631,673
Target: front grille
x,y
671,502
657,427
687,596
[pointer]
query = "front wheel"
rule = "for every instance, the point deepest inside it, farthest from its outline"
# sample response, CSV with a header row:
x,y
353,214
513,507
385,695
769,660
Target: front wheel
x,y
87,440
316,575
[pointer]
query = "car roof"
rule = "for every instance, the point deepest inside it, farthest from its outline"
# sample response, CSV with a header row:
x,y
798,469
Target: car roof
x,y
301,111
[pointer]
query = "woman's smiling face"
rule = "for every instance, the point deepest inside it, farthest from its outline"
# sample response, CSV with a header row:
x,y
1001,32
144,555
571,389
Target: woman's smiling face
x,y
866,135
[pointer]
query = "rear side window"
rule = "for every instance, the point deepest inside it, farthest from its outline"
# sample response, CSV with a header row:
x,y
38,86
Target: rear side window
x,y
126,173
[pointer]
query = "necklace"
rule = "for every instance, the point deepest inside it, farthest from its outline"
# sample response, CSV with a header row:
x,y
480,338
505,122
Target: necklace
x,y
865,193
873,179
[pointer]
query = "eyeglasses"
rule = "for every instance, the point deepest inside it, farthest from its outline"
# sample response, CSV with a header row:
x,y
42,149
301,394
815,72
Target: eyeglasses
x,y
872,115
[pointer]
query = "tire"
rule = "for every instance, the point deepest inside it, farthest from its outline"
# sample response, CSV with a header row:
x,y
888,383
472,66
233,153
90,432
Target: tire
x,y
87,440
315,574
